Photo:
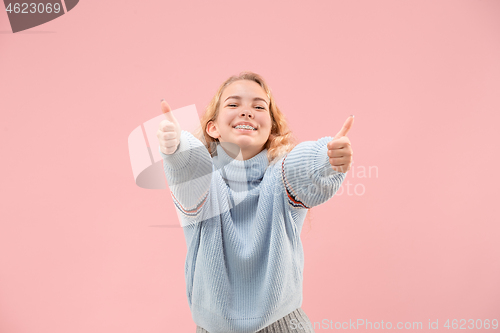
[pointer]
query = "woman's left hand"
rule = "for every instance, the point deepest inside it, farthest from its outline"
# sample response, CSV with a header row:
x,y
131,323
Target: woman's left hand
x,y
339,149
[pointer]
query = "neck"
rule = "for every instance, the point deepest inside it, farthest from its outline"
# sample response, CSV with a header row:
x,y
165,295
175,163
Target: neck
x,y
240,171
237,153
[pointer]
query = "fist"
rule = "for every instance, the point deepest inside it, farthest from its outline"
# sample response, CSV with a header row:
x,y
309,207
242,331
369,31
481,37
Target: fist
x,y
169,133
339,149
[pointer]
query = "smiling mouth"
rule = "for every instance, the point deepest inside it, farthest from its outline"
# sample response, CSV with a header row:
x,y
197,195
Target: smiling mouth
x,y
245,128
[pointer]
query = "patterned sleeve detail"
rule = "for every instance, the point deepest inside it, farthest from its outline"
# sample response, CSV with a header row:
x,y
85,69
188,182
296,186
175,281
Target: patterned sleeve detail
x,y
292,196
189,212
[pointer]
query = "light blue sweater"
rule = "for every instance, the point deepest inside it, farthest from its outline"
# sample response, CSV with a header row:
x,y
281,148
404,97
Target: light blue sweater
x,y
242,222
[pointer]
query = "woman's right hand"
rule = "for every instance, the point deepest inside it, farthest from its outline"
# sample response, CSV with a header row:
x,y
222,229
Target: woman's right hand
x,y
169,133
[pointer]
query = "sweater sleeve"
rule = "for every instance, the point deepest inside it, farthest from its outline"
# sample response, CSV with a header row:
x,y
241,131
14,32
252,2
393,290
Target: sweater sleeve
x,y
308,175
188,171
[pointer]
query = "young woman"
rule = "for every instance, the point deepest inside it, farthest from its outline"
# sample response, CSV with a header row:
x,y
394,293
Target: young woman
x,y
242,197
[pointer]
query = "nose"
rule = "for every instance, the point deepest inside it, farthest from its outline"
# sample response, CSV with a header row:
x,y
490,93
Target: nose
x,y
244,113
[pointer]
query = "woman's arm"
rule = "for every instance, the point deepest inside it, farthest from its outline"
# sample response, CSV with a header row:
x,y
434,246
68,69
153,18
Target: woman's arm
x,y
188,171
308,176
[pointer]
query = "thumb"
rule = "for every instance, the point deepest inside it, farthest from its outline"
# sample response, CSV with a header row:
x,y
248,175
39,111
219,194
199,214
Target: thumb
x,y
167,111
345,128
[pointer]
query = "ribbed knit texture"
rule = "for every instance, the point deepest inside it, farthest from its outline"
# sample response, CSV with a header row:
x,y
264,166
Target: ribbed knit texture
x,y
242,222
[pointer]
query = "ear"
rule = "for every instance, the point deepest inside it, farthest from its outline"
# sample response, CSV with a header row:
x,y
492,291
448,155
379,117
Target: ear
x,y
212,130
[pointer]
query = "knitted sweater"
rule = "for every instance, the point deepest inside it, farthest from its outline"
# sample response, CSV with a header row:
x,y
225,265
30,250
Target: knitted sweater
x,y
242,222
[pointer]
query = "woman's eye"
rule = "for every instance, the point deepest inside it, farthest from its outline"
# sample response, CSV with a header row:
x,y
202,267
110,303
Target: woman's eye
x,y
235,105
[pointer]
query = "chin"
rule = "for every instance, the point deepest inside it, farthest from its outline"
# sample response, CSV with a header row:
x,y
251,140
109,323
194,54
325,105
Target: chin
x,y
245,142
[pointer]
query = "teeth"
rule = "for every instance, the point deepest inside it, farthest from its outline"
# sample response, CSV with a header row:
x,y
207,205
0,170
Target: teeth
x,y
245,126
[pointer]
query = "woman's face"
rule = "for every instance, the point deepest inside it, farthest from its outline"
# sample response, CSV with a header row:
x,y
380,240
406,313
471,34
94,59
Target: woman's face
x,y
243,101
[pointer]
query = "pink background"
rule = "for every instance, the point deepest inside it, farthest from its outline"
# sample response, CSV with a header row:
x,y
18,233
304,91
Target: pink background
x,y
84,249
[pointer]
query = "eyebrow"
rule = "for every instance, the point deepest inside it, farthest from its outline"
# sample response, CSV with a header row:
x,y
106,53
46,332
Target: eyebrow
x,y
238,97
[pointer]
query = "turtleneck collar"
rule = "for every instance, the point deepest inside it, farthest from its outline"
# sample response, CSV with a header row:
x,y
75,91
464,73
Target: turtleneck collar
x,y
241,170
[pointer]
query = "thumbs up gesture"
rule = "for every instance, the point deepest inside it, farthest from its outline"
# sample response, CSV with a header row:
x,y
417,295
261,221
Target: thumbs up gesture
x,y
169,133
339,149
